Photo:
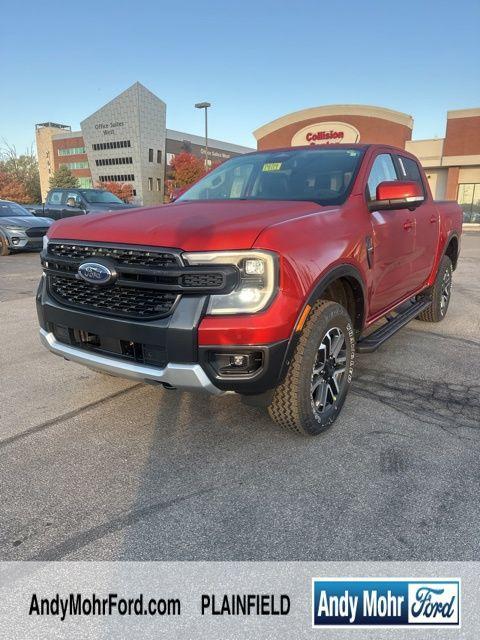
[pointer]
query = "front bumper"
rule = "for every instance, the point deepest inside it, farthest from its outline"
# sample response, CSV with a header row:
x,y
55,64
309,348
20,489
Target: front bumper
x,y
164,350
185,376
18,240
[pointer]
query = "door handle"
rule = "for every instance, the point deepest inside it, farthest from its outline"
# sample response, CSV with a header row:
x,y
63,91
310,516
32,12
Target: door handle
x,y
408,225
433,219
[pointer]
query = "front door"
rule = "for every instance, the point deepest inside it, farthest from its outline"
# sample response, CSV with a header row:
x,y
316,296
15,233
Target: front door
x,y
69,211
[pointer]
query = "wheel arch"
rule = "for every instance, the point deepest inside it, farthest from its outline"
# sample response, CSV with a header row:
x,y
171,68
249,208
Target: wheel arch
x,y
340,280
452,249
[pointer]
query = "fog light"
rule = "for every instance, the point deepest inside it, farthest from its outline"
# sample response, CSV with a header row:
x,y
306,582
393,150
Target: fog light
x,y
236,363
15,240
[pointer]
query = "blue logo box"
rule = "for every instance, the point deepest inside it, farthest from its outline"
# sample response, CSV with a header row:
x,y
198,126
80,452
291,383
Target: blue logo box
x,y
385,602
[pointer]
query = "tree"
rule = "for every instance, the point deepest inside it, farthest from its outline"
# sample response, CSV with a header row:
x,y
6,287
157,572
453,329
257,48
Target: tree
x,y
13,189
185,169
122,190
20,171
63,178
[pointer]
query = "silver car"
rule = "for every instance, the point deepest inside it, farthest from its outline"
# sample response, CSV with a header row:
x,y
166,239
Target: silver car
x,y
20,229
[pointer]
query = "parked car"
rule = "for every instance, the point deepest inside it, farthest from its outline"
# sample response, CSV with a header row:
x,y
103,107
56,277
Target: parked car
x,y
66,203
263,279
19,228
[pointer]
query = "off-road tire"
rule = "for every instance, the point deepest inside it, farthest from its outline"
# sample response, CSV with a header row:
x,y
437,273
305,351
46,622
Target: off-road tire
x,y
292,406
4,249
439,307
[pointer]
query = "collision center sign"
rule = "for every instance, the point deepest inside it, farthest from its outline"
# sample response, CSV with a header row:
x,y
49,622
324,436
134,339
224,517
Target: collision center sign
x,y
326,133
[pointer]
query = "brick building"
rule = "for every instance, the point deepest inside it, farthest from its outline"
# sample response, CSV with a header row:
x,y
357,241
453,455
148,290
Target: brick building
x,y
452,163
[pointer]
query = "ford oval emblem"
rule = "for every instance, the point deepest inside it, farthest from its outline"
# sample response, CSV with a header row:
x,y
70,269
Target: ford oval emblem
x,y
95,273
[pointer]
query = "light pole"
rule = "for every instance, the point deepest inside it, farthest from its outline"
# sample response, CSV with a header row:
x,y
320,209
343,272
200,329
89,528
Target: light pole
x,y
205,105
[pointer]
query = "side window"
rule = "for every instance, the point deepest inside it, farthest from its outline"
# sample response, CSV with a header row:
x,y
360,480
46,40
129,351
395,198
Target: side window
x,y
55,197
409,171
73,194
382,169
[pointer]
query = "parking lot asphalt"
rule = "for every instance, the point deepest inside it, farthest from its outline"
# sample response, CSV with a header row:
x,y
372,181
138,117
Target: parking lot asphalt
x,y
94,467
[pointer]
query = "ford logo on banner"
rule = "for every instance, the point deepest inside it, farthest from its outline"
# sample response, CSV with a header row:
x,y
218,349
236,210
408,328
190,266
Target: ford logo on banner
x,y
385,602
95,273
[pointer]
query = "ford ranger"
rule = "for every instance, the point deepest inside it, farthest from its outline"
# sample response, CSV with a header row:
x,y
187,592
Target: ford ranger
x,y
263,279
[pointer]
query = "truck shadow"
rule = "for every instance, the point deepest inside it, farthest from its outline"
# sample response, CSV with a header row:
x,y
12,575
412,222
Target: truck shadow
x,y
199,445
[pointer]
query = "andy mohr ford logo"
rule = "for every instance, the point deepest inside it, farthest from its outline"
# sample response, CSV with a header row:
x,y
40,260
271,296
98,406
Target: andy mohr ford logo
x,y
385,602
95,273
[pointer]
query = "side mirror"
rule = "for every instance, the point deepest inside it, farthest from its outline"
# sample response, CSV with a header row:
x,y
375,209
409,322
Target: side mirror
x,y
72,202
397,194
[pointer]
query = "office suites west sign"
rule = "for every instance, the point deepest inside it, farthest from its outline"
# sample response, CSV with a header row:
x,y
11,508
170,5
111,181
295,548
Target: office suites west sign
x,y
326,133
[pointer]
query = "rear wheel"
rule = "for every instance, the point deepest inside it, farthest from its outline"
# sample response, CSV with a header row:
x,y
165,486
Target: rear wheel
x,y
4,249
440,293
310,398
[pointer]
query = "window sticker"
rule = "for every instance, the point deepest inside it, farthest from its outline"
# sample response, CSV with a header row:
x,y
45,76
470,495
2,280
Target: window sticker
x,y
272,166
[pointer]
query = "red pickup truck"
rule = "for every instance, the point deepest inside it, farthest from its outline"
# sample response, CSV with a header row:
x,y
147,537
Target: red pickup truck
x,y
263,279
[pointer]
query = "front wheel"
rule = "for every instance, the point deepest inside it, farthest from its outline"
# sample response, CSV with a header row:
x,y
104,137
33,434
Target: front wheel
x,y
4,249
310,398
440,293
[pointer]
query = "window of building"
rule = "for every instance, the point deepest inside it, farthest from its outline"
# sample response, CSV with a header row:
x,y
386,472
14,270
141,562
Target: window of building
x,y
75,165
85,183
469,199
150,155
118,144
159,184
126,177
150,184
159,156
409,170
382,169
102,162
71,152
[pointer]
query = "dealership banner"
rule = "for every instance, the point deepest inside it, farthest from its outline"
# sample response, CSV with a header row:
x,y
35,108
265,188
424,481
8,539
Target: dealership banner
x,y
239,600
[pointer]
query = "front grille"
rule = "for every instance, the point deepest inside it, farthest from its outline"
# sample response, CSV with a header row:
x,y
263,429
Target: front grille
x,y
36,232
134,257
146,284
129,302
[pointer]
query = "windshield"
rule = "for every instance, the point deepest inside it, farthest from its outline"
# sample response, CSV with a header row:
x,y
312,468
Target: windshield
x,y
100,196
9,209
318,174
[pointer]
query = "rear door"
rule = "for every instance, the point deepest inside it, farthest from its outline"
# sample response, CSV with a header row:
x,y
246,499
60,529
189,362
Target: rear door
x,y
426,223
393,240
53,205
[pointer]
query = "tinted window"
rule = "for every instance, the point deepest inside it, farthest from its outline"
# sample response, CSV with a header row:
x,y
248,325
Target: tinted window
x,y
382,170
314,175
409,170
100,196
73,195
55,197
8,209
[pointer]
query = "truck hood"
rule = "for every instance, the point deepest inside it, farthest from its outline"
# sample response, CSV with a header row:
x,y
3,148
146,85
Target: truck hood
x,y
25,222
191,226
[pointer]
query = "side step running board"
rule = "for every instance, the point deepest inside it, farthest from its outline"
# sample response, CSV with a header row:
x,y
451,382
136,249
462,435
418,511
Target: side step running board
x,y
386,331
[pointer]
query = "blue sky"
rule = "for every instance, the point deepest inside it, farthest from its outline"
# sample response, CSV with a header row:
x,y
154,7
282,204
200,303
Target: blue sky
x,y
254,61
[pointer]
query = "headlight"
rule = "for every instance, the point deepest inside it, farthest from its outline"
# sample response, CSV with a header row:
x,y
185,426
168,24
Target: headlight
x,y
257,285
45,242
15,229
